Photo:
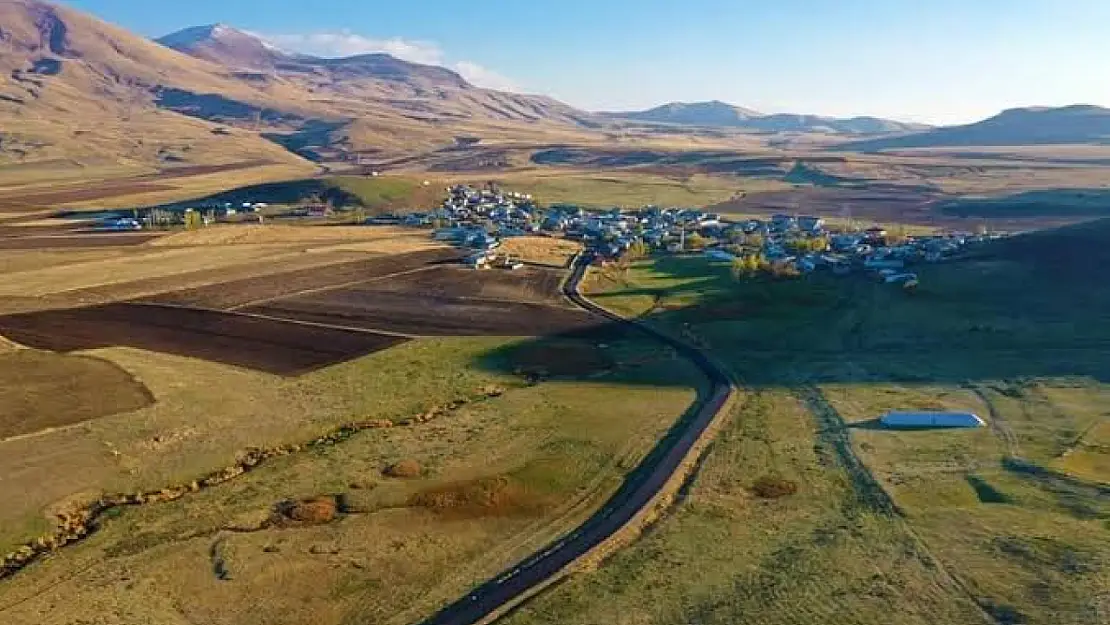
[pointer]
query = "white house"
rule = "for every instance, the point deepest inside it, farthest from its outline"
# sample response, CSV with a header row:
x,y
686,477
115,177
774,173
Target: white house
x,y
905,420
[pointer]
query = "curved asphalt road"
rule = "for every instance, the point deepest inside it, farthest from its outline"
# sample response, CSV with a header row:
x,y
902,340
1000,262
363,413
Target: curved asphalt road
x,y
637,492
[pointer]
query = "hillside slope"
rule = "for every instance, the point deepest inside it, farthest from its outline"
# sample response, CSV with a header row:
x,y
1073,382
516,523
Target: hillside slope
x,y
90,95
1021,126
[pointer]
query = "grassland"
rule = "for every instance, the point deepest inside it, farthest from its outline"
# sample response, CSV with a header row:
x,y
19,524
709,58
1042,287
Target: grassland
x,y
44,390
546,449
498,477
1007,524
630,189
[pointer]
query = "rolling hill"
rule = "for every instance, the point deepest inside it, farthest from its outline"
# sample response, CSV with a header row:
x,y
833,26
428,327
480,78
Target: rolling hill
x,y
87,94
1021,126
722,114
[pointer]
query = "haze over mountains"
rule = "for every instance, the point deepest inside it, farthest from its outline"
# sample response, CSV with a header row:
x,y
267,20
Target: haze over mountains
x,y
95,94
716,113
1020,126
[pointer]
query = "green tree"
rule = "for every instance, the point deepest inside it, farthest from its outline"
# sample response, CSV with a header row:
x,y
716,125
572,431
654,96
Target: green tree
x,y
637,250
695,241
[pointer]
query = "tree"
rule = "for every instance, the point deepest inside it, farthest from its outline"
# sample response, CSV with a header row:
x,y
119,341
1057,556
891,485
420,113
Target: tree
x,y
637,250
695,241
781,270
748,266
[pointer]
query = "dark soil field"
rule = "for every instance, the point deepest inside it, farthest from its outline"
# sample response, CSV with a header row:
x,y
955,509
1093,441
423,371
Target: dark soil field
x,y
12,241
447,301
239,293
45,390
530,284
267,345
17,202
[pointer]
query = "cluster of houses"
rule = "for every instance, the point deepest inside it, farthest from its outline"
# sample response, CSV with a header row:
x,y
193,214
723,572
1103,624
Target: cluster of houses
x,y
479,218
845,250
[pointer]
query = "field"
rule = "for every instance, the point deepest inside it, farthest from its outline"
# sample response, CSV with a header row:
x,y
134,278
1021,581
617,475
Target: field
x,y
167,185
439,302
272,345
33,401
630,189
165,372
541,250
806,511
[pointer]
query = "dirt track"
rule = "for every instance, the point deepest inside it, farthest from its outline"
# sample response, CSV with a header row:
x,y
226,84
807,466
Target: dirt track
x,y
639,490
273,346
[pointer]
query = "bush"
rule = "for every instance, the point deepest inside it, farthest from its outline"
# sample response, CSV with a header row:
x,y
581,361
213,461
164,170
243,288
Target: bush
x,y
407,468
772,487
310,511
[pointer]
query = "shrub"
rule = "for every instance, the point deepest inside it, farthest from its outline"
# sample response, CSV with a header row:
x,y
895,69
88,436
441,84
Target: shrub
x,y
310,511
407,468
772,487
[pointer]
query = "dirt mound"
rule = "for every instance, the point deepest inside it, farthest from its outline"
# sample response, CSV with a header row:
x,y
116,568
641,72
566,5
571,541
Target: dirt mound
x,y
488,496
315,511
770,487
406,468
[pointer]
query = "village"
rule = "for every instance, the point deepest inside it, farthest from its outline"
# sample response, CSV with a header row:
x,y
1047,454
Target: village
x,y
478,219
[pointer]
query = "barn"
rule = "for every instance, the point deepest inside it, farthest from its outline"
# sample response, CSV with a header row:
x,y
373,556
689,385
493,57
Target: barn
x,y
904,420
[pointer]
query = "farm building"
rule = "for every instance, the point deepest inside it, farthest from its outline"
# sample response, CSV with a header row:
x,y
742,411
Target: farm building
x,y
897,420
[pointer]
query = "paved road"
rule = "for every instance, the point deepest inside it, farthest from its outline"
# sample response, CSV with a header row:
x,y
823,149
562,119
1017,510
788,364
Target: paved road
x,y
641,487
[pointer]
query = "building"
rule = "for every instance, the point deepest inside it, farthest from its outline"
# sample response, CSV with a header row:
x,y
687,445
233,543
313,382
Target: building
x,y
811,224
910,420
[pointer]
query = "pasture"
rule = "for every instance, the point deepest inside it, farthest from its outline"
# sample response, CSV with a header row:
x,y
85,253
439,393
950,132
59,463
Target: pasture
x,y
198,377
1003,524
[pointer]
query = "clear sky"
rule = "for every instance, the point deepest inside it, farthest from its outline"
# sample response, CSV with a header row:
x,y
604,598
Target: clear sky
x,y
941,61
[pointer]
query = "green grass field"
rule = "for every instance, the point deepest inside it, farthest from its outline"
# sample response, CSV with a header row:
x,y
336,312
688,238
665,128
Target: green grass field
x,y
1007,524
499,478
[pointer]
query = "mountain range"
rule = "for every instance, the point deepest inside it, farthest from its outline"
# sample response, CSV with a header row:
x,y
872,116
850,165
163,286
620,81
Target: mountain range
x,y
722,114
89,94
1080,123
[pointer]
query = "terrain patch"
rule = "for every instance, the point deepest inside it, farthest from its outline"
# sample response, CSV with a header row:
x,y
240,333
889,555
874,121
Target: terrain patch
x,y
272,346
459,302
45,390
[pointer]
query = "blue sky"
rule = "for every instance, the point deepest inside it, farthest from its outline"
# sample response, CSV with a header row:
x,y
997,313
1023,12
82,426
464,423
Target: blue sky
x,y
941,61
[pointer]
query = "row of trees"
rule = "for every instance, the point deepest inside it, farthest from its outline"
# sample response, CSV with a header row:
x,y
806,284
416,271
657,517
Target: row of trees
x,y
754,265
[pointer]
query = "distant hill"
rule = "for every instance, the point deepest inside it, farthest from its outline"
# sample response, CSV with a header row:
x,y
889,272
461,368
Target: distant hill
x,y
237,49
81,91
722,114
1020,126
715,113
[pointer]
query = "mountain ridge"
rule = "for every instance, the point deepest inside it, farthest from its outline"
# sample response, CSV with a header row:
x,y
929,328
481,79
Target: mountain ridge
x,y
722,114
1032,125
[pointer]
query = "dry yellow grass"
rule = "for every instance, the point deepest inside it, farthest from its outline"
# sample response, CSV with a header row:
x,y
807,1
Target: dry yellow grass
x,y
208,255
190,187
544,250
391,562
285,234
137,265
